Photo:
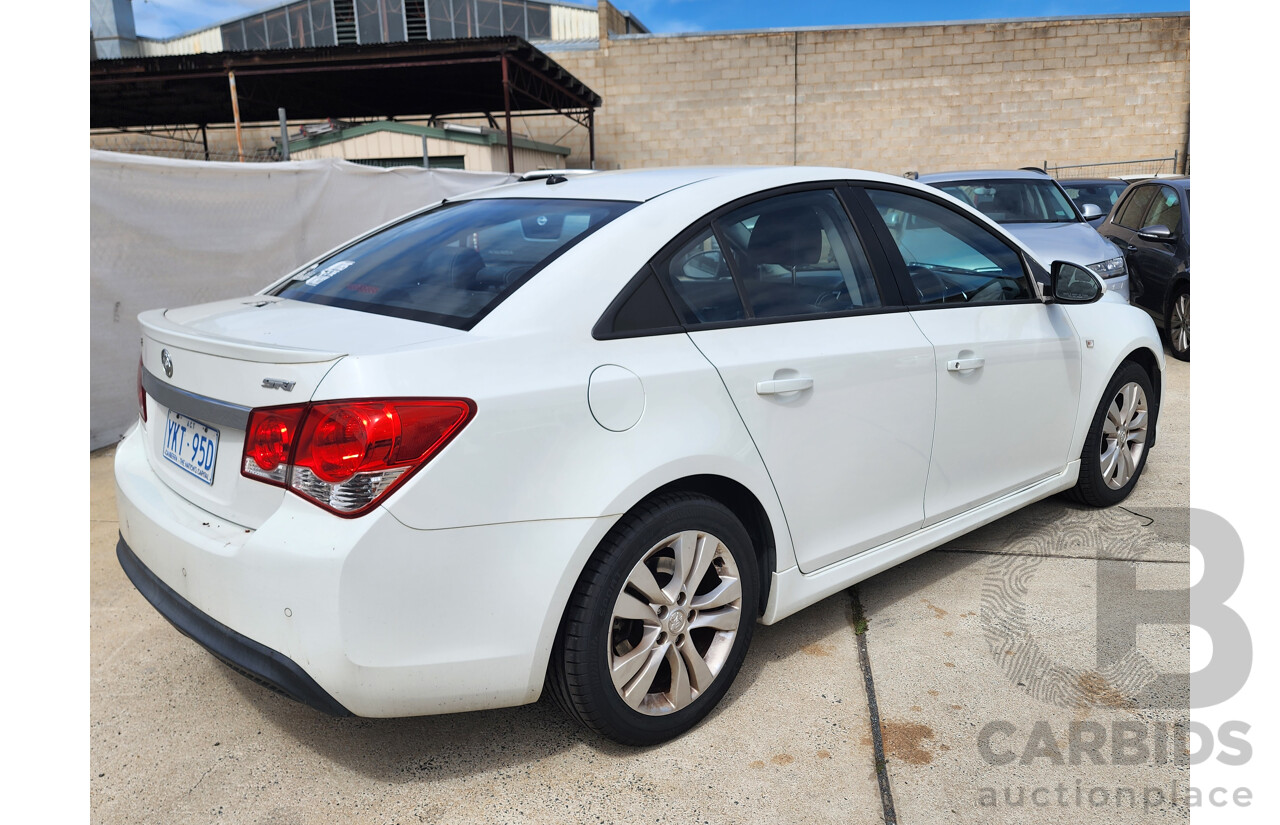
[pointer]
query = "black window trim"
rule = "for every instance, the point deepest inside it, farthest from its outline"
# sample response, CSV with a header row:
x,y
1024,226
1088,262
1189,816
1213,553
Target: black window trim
x,y
604,331
881,271
899,265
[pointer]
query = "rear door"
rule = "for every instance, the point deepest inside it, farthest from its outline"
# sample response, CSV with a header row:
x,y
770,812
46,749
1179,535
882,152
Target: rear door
x,y
1007,365
832,378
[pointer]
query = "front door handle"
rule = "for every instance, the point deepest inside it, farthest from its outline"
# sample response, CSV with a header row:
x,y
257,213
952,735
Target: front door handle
x,y
781,385
965,364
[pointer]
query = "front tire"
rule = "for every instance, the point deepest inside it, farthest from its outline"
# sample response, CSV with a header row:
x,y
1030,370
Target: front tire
x,y
659,622
1115,450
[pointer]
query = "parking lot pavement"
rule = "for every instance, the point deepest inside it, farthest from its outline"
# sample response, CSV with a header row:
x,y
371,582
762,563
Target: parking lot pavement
x,y
992,642
177,737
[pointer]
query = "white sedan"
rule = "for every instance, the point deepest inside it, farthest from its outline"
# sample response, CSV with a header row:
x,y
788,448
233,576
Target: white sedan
x,y
583,434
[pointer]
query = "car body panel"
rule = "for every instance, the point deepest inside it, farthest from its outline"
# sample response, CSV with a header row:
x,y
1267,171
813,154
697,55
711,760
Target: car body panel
x,y
871,406
1030,352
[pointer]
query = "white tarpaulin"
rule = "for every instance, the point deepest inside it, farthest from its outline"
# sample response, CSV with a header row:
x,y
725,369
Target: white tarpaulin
x,y
169,233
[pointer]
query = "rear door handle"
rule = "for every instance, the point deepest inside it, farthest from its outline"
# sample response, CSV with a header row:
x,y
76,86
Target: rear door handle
x,y
781,385
965,364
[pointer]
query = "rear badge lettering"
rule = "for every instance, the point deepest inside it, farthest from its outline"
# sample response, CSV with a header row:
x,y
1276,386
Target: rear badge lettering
x,y
278,384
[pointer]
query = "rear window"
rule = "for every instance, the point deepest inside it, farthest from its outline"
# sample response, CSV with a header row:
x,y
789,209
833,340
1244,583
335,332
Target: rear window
x,y
454,264
1014,200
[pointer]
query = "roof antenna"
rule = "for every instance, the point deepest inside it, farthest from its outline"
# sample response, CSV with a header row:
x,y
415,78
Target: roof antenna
x,y
554,179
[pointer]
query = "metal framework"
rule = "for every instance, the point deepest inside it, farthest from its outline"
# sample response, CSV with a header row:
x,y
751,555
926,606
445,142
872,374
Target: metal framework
x,y
180,94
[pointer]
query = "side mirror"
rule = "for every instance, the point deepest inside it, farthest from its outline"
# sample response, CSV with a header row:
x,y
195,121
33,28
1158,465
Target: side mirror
x,y
1157,232
1091,211
1073,284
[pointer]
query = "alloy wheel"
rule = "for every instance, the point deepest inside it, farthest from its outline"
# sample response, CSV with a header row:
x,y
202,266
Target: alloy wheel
x,y
1180,323
675,622
1124,435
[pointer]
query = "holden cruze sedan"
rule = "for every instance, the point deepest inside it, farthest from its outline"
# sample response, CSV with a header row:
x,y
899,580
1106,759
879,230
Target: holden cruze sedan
x,y
583,434
1036,210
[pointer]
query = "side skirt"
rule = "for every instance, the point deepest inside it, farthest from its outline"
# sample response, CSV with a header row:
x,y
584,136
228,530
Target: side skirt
x,y
791,590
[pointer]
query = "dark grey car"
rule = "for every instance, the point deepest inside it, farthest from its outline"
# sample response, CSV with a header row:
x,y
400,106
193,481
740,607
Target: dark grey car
x,y
1151,223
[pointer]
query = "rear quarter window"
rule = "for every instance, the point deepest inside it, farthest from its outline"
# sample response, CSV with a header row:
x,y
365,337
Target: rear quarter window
x,y
454,264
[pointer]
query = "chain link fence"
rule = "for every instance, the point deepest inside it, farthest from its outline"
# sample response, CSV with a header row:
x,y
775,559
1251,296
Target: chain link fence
x,y
1146,167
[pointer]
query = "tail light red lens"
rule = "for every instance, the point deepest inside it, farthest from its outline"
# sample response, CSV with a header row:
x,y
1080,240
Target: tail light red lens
x,y
347,456
271,437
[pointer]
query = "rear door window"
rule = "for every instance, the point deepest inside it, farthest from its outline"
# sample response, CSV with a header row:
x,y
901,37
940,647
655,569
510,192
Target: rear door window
x,y
1135,207
797,255
454,264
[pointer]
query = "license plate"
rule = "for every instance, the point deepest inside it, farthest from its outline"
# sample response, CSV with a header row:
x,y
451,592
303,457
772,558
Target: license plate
x,y
191,445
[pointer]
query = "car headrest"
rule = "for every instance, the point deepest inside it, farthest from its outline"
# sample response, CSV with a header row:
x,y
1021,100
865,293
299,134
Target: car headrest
x,y
790,237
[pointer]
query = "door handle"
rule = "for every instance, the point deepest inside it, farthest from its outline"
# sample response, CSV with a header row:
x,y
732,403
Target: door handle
x,y
781,385
965,364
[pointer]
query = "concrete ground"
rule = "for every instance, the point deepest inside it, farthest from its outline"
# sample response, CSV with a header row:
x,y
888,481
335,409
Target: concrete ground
x,y
994,703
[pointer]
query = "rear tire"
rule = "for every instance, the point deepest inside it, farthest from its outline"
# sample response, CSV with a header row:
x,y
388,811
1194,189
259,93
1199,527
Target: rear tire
x,y
1115,450
1177,322
659,622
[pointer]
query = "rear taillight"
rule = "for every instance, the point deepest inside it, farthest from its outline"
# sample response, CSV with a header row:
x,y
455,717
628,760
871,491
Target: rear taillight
x,y
346,456
142,394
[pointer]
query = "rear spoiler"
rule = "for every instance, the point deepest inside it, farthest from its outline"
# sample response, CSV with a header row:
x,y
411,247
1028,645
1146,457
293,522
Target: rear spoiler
x,y
159,328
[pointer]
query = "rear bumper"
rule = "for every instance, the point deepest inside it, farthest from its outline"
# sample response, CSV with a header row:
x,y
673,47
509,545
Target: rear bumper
x,y
363,616
263,665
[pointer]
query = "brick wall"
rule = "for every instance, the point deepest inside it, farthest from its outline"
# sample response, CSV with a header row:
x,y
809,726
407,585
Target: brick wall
x,y
912,97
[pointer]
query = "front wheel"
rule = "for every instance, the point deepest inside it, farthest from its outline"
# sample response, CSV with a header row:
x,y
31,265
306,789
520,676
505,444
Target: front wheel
x,y
1115,450
659,622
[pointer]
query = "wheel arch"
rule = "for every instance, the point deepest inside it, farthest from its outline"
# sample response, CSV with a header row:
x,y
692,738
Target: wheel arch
x,y
747,508
1150,363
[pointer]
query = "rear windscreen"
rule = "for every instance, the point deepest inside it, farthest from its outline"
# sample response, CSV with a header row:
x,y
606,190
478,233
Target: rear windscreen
x,y
454,264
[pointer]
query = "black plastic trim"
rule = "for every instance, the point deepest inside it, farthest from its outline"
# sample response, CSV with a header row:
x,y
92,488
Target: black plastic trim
x,y
263,665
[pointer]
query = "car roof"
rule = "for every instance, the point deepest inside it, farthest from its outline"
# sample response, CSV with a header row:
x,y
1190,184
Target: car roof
x,y
639,185
1110,181
1179,182
984,174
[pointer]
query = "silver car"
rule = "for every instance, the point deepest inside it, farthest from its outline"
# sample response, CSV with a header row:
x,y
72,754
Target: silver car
x,y
1036,210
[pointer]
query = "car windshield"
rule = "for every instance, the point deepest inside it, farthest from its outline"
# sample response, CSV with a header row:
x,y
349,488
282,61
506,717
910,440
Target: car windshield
x,y
1014,201
454,264
1102,194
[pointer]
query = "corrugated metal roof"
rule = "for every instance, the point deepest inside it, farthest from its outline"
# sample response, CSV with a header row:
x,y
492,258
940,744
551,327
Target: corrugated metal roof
x,y
428,77
487,137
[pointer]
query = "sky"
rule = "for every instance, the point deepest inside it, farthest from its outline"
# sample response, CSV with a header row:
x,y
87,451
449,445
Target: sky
x,y
165,18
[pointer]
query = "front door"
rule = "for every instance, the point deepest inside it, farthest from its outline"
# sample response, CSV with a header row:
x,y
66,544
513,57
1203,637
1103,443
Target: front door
x,y
1007,365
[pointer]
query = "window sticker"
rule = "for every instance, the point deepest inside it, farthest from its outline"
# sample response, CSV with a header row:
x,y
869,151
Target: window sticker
x,y
328,272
